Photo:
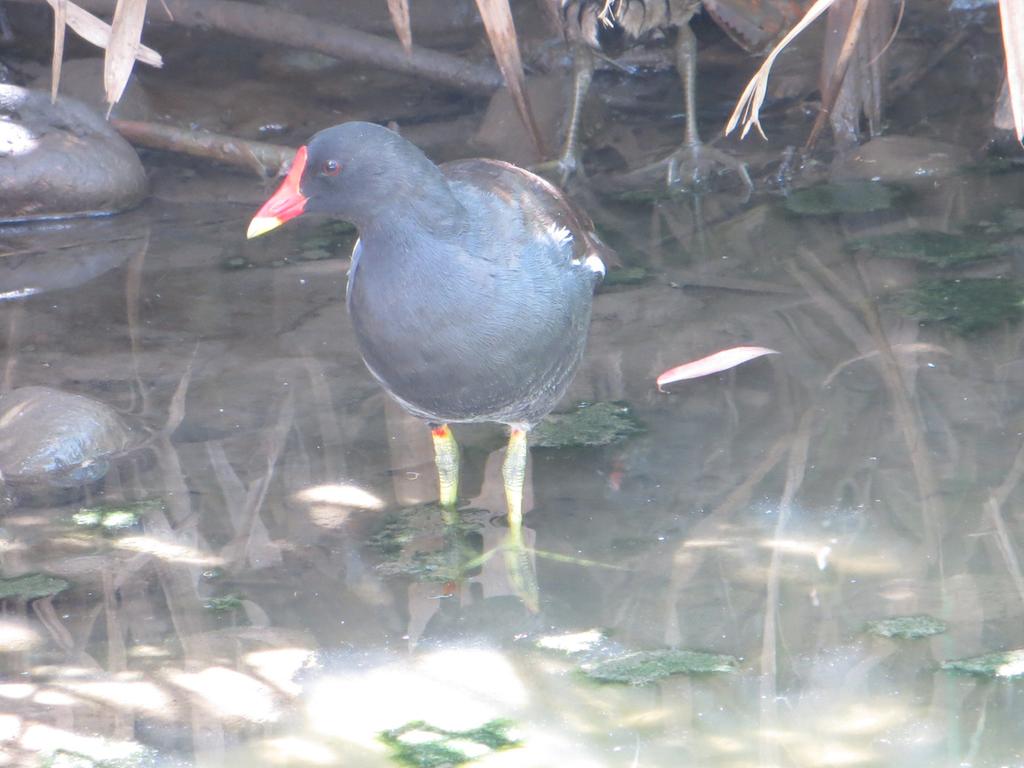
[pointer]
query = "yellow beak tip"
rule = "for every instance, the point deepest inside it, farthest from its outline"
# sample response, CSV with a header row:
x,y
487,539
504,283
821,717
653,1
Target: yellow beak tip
x,y
261,225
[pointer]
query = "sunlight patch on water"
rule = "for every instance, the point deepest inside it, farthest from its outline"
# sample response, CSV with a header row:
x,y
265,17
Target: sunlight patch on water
x,y
167,550
16,690
455,689
128,695
17,635
862,719
279,666
46,740
293,750
228,694
342,494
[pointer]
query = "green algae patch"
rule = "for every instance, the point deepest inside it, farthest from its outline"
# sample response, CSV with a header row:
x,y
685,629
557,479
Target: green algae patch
x,y
1003,664
588,425
401,531
31,586
939,249
966,305
842,197
225,604
643,667
906,627
421,745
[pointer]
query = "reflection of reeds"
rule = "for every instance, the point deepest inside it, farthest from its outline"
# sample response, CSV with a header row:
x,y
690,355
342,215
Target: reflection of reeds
x,y
872,338
994,507
796,468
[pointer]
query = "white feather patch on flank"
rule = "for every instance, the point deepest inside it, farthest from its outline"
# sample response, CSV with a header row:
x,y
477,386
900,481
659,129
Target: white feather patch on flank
x,y
561,235
595,264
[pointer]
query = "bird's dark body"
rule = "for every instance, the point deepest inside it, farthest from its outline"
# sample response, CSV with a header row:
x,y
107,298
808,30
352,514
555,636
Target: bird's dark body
x,y
613,26
425,309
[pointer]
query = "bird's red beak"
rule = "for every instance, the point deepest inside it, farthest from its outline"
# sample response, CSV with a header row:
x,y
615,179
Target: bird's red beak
x,y
286,203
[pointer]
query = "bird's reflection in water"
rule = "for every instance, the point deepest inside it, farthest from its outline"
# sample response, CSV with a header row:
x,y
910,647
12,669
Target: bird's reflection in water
x,y
484,572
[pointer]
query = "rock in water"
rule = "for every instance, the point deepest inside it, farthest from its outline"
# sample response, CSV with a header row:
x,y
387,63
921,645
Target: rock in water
x,y
62,160
57,439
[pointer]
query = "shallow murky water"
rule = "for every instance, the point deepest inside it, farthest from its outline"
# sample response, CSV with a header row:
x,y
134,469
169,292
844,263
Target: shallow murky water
x,y
285,601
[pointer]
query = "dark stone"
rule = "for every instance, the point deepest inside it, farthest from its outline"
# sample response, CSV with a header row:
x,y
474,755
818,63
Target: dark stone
x,y
62,160
58,439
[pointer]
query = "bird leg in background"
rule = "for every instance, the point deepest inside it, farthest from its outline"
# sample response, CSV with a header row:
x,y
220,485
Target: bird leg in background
x,y
568,164
696,160
517,560
446,457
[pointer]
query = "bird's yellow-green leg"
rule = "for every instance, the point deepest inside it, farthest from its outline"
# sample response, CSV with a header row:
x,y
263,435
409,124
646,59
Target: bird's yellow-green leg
x,y
446,457
514,473
517,559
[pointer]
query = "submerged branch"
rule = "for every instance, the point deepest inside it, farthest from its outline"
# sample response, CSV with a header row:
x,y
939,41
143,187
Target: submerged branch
x,y
265,159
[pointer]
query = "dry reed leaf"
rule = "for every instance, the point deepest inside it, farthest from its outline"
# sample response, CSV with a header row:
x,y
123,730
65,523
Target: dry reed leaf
x,y
714,363
748,107
399,10
125,36
501,32
97,32
60,20
1011,13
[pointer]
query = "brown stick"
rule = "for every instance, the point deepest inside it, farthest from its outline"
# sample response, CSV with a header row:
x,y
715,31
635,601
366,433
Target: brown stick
x,y
265,159
250,20
828,98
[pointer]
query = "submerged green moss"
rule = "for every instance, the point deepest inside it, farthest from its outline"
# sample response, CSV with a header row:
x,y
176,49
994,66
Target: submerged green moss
x,y
906,627
31,586
1003,664
225,604
589,424
966,305
642,667
400,530
938,248
855,196
421,745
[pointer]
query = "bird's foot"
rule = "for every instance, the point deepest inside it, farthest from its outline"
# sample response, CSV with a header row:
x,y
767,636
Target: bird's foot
x,y
565,168
693,165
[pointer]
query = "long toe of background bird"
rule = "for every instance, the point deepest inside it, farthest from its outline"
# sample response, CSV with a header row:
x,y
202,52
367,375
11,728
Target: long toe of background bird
x,y
694,165
565,168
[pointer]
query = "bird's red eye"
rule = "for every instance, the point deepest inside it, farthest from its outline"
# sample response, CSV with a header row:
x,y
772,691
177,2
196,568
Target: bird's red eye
x,y
330,168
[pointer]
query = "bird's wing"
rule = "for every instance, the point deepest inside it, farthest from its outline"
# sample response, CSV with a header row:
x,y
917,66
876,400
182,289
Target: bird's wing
x,y
541,204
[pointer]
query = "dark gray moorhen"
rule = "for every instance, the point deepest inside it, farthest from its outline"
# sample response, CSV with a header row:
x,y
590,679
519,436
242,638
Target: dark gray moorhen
x,y
470,288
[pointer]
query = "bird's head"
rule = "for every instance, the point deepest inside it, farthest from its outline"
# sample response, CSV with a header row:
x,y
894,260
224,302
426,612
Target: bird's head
x,y
352,171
